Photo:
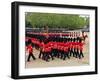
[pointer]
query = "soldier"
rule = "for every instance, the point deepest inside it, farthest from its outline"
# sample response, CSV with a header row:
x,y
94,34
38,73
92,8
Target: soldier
x,y
77,50
41,49
62,51
30,49
74,47
54,49
66,53
47,54
49,47
58,50
81,50
70,47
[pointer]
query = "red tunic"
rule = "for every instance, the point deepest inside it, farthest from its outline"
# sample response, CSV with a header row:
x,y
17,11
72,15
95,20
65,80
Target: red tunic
x,y
65,49
30,49
47,49
50,44
55,46
81,46
73,43
61,48
41,45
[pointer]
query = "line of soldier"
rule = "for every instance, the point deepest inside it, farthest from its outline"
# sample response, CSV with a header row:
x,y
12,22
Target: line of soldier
x,y
72,47
59,47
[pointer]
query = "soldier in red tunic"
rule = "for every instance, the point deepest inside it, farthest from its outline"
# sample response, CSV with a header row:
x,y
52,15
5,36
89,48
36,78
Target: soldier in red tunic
x,y
41,49
58,50
62,51
47,51
30,49
54,49
66,53
77,50
70,47
74,43
81,50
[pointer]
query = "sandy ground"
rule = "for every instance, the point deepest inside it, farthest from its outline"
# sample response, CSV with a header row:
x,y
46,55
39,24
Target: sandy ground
x,y
59,62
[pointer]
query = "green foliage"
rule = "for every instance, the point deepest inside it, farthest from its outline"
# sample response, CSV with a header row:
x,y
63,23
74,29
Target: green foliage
x,y
53,20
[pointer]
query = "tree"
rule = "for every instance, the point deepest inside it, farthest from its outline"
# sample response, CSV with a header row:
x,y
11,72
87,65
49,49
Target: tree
x,y
52,20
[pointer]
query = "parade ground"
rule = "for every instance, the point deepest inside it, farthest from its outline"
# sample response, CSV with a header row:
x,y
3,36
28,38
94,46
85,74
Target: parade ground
x,y
39,63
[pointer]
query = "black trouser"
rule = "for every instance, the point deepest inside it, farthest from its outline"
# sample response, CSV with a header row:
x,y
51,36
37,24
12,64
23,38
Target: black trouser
x,y
77,53
43,55
40,54
46,56
54,52
71,52
74,52
62,54
58,53
31,55
66,55
81,54
50,53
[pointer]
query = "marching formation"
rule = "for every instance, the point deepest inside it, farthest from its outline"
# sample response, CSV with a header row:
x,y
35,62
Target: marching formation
x,y
55,47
